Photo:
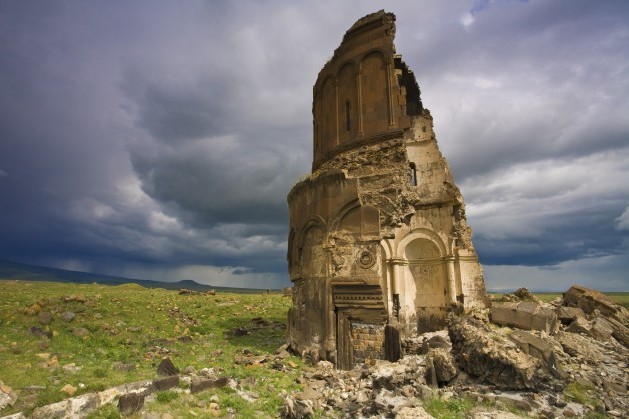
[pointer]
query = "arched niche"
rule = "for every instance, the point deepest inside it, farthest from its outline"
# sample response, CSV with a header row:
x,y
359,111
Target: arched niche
x,y
347,103
326,118
359,221
374,93
424,273
312,257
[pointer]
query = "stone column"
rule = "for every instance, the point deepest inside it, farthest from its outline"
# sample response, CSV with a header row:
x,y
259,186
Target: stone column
x,y
390,81
359,98
451,278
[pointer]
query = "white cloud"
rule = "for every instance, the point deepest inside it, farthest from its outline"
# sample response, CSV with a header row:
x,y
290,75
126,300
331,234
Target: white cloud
x,y
622,222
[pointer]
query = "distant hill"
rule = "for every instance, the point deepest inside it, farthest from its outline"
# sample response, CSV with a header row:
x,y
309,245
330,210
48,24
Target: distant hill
x,y
20,271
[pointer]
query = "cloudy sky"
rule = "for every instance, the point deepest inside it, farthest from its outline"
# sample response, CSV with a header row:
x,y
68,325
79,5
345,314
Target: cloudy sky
x,y
158,139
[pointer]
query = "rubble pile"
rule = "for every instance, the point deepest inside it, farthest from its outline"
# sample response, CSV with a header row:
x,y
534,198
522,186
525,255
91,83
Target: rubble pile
x,y
572,363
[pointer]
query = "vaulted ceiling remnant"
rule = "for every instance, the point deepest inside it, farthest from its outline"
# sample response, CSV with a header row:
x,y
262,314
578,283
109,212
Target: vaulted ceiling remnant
x,y
378,234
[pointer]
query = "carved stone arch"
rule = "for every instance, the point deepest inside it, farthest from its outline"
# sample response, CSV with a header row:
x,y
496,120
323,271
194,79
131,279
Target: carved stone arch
x,y
387,249
326,118
371,51
421,233
359,221
375,92
424,275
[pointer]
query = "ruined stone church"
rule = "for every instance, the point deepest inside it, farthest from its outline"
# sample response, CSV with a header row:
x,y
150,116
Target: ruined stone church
x,y
379,247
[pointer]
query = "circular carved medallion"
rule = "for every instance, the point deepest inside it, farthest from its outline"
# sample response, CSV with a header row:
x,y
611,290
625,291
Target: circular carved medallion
x,y
366,259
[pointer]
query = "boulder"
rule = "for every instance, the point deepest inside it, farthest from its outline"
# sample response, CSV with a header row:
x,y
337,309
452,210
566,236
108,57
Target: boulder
x,y
494,359
444,364
537,347
589,300
296,408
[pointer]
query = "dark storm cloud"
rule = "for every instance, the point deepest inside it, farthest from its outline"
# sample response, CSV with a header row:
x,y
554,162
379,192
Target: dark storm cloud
x,y
159,139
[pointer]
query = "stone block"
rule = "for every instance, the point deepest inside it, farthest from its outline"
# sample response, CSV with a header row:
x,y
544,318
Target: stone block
x,y
539,348
130,403
166,383
524,315
203,384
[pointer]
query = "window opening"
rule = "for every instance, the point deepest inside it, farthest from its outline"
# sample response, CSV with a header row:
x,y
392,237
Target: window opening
x,y
413,172
347,116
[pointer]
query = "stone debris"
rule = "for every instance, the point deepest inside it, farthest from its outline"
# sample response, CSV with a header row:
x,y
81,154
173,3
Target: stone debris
x,y
502,368
494,358
184,291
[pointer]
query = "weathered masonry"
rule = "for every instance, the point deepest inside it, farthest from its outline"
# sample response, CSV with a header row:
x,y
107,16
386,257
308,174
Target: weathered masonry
x,y
378,241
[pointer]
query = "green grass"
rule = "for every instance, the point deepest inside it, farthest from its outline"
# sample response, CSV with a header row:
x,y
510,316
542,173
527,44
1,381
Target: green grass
x,y
121,333
453,408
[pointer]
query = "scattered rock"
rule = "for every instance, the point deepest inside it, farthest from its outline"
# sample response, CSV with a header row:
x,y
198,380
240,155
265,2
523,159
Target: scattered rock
x,y
80,332
130,403
71,368
214,409
69,389
38,331
295,408
416,412
167,368
74,298
44,317
7,396
68,316
121,366
240,331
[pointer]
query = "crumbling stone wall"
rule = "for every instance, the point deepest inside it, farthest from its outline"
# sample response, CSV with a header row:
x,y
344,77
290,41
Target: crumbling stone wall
x,y
378,233
368,341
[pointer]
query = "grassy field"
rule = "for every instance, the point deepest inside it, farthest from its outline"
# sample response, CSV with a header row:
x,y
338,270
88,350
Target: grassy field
x,y
621,298
119,334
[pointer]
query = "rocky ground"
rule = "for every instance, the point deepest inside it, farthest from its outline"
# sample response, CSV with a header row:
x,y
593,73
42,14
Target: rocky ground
x,y
573,365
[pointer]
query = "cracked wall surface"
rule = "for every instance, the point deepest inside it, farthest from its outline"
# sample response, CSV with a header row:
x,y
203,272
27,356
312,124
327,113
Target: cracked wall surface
x,y
378,233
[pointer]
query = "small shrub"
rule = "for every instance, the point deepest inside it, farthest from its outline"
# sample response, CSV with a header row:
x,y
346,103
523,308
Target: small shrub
x,y
107,411
166,396
450,409
578,392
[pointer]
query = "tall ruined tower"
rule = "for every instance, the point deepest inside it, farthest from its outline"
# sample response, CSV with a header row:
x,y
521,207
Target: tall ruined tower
x,y
378,234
